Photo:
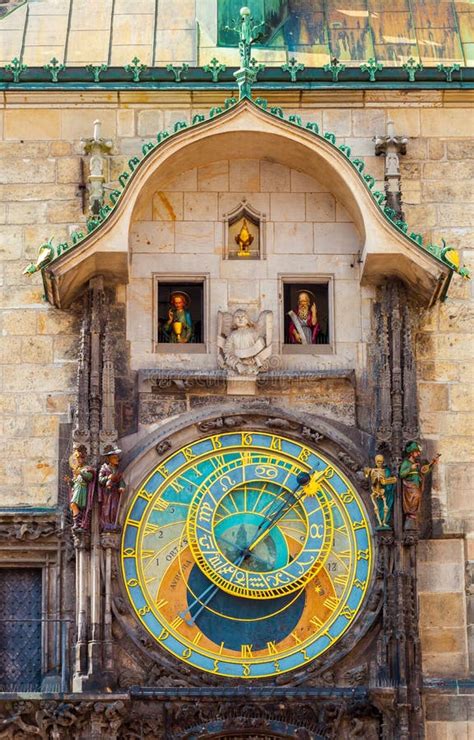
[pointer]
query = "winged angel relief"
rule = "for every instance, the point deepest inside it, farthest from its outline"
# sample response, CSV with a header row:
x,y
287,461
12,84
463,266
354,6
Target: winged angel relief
x,y
244,346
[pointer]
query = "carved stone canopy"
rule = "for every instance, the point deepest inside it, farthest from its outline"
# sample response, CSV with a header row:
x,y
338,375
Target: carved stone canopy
x,y
244,211
384,250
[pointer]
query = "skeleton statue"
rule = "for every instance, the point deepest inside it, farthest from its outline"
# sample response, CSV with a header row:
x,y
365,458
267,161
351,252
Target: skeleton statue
x,y
244,346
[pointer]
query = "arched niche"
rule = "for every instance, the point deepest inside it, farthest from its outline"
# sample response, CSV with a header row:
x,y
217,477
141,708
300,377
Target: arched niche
x,y
248,130
245,216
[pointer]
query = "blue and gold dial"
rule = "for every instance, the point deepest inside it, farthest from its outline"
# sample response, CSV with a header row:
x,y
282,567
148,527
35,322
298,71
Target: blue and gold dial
x,y
246,554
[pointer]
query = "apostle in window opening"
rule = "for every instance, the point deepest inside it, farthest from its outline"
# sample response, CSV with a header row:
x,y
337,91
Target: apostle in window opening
x,y
179,326
304,326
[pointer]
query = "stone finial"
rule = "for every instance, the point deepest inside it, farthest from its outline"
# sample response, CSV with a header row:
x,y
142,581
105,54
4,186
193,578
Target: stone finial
x,y
249,32
97,148
391,146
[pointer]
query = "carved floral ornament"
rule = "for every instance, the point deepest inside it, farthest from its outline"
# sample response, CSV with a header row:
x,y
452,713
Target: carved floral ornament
x,y
51,258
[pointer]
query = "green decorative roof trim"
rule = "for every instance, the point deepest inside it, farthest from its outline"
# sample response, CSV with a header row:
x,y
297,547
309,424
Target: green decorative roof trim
x,y
329,76
48,253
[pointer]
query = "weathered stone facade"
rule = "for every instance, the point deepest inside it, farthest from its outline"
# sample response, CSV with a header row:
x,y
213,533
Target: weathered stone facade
x,y
177,228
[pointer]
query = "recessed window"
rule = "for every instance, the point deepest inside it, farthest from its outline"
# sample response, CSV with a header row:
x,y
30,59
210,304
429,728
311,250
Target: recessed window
x,y
180,314
306,314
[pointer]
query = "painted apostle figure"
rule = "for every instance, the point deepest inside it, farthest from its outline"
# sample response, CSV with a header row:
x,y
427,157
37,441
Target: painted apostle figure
x,y
112,487
413,473
81,486
382,491
179,325
304,326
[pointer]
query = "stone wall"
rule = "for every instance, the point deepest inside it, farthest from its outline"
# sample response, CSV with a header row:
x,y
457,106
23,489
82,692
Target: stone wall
x,y
41,195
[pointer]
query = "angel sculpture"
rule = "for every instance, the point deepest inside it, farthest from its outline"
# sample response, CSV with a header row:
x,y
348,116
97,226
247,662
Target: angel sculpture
x,y
244,346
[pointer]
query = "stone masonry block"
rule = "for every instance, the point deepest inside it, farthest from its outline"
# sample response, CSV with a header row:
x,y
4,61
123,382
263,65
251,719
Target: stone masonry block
x,y
294,238
446,123
27,170
150,122
433,396
320,207
200,206
152,236
337,121
194,237
214,177
167,206
244,175
32,124
461,397
287,206
274,178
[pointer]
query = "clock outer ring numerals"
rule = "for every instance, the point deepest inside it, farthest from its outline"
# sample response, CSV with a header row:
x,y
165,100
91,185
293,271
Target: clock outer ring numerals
x,y
155,528
238,581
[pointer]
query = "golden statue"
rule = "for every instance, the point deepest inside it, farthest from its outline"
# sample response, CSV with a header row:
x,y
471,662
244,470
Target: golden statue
x,y
243,240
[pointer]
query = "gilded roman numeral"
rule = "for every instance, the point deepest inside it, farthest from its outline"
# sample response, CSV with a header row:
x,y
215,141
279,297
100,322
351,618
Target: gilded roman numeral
x,y
176,623
272,649
331,602
151,528
176,486
246,651
161,603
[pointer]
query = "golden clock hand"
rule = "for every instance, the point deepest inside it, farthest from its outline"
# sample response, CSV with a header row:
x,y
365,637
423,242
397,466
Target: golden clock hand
x,y
211,590
303,479
241,551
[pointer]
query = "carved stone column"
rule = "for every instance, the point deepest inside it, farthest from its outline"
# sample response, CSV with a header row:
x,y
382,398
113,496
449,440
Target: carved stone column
x,y
110,542
94,427
81,544
397,423
391,146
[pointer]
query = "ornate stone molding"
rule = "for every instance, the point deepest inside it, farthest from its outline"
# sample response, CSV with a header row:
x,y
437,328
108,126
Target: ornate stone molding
x,y
28,527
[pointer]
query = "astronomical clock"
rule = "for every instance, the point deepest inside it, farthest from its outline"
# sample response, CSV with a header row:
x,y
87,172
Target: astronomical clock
x,y
246,554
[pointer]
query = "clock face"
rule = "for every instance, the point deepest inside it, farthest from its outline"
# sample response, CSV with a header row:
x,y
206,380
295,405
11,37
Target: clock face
x,y
246,554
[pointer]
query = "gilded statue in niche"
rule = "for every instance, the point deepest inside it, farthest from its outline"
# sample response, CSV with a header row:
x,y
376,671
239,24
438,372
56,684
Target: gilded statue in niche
x,y
244,345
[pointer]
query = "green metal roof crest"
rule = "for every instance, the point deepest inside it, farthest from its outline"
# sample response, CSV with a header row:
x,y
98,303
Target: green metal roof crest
x,y
48,253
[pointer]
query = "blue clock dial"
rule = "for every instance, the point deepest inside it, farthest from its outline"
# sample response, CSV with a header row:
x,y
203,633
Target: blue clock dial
x,y
240,565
